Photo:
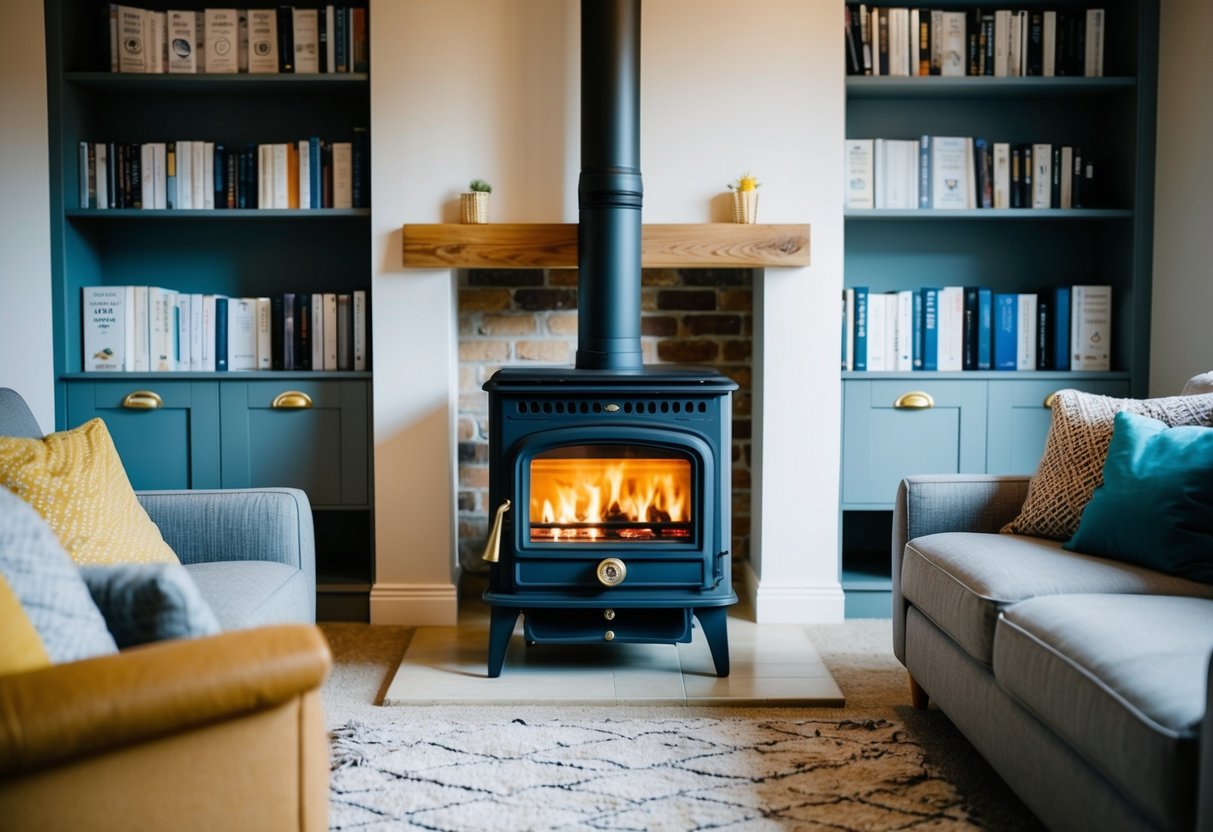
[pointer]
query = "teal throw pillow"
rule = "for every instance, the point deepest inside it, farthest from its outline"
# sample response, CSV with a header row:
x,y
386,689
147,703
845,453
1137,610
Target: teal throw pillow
x,y
144,602
1155,506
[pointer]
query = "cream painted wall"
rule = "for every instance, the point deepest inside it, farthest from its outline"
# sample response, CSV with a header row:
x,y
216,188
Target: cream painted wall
x,y
26,361
1181,336
464,88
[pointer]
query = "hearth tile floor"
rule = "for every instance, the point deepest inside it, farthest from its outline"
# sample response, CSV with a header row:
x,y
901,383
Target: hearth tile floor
x,y
772,665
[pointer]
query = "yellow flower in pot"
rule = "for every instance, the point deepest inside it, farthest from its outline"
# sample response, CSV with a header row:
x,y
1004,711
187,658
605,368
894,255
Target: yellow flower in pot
x,y
474,206
745,198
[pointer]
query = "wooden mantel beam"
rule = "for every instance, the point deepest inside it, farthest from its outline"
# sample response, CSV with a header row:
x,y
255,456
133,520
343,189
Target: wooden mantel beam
x,y
554,246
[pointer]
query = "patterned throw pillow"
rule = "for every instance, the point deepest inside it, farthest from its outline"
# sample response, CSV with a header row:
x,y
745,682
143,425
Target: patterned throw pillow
x,y
48,586
1072,465
76,481
144,602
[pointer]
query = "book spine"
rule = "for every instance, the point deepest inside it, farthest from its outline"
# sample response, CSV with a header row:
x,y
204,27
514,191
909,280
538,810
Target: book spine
x,y
904,332
313,160
345,331
360,169
142,329
196,329
184,344
343,185
1044,330
1091,327
302,331
330,330
1025,358
289,311
969,343
924,172
242,334
861,327
317,321
362,330
985,324
1061,328
265,334
222,322
104,341
286,39
277,330
930,329
1006,335
916,346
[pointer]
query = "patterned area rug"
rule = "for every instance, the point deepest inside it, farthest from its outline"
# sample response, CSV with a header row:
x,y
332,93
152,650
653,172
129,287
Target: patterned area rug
x,y
679,773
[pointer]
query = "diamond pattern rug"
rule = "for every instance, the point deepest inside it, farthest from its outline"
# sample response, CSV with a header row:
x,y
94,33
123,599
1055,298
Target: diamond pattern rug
x,y
626,773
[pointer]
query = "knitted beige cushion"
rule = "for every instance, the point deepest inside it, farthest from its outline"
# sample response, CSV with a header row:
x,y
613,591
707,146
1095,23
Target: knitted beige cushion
x,y
1072,465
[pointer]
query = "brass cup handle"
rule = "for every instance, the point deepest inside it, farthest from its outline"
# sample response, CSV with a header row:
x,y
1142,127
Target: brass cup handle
x,y
292,400
914,400
492,546
142,400
1049,399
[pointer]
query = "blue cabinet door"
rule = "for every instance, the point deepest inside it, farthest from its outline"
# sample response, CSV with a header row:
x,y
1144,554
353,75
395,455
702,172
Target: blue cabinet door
x,y
1020,417
305,434
166,432
890,432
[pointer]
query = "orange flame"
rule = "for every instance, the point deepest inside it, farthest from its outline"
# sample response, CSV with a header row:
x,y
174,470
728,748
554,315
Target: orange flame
x,y
606,491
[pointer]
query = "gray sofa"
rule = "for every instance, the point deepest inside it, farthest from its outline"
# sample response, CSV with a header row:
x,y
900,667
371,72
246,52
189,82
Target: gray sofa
x,y
251,551
1083,681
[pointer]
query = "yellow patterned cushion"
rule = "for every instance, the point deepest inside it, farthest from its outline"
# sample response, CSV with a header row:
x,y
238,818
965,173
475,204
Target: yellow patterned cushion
x,y
76,481
21,649
1072,465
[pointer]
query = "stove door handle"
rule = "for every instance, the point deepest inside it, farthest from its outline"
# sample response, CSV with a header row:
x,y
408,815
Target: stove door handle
x,y
492,546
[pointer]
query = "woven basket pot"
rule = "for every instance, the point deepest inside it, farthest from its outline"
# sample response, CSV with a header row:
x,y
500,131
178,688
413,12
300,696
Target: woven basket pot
x,y
474,207
745,206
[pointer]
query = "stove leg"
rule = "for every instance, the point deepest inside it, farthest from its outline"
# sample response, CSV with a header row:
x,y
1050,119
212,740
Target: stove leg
x,y
501,628
714,621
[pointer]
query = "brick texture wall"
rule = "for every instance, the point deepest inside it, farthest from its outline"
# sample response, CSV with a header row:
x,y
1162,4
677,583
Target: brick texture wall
x,y
516,317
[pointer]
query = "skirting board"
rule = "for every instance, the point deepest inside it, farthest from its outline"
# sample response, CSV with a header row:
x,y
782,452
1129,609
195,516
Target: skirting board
x,y
415,605
792,604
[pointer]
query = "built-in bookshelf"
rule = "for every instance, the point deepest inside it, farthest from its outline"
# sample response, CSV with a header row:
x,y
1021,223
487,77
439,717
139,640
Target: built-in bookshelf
x,y
902,422
271,427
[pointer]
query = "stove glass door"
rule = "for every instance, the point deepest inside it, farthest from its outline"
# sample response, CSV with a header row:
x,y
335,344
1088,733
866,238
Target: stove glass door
x,y
609,492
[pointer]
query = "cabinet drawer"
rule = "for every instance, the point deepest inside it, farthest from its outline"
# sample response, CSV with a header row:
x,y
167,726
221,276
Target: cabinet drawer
x,y
311,435
174,444
1019,419
886,439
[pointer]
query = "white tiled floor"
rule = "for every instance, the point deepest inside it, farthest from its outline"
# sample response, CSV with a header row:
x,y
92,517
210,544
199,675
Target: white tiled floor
x,y
772,664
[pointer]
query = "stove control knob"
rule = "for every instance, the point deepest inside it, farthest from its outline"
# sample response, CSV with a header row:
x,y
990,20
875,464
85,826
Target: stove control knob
x,y
609,615
611,572
609,635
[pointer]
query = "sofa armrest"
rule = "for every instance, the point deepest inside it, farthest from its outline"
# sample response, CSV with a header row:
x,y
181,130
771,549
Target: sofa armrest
x,y
203,526
68,711
947,503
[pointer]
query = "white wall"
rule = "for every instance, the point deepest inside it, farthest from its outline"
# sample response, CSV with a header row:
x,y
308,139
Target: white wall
x,y
26,360
462,89
1181,333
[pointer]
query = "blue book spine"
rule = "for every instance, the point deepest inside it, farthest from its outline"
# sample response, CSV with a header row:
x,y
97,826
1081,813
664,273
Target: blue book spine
x,y
930,329
341,22
1061,328
1006,331
985,324
861,327
220,334
916,343
924,172
313,165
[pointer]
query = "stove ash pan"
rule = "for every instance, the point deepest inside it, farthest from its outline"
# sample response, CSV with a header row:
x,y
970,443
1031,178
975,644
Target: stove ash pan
x,y
612,494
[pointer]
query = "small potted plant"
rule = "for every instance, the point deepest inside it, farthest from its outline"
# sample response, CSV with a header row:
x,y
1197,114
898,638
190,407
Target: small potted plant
x,y
474,206
745,198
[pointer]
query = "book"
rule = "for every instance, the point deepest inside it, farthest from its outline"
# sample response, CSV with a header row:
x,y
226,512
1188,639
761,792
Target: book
x,y
102,174
140,325
329,331
1042,176
208,336
1006,331
1025,352
345,331
154,29
1044,330
328,39
306,35
859,169
302,331
132,56
969,343
286,39
1091,327
902,311
985,328
241,334
1093,43
183,344
362,330
104,336
287,348
950,172
182,42
198,181
950,317
317,321
162,332
221,40
343,175
222,321
170,175
303,154
879,337
265,346
360,168
916,329
263,41
860,349
930,328
1061,328
953,44
924,171
196,329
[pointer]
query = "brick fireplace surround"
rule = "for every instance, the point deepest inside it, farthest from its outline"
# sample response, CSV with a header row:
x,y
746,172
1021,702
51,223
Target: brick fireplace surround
x,y
521,316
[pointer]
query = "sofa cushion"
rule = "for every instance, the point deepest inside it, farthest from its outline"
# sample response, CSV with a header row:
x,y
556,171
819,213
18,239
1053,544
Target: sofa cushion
x,y
144,602
252,593
76,481
1155,505
48,586
1121,678
962,580
1072,464
21,649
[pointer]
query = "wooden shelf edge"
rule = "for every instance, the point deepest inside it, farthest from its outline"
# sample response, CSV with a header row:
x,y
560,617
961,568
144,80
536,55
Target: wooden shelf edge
x,y
554,245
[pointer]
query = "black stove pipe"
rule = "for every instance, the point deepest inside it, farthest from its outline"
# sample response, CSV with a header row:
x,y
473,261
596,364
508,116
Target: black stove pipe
x,y
609,192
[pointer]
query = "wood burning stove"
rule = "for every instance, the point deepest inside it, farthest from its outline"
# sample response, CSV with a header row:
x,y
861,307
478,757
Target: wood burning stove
x,y
611,479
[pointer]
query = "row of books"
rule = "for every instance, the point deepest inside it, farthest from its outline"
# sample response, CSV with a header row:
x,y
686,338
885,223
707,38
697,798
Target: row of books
x,y
975,328
999,43
152,329
309,173
329,39
956,172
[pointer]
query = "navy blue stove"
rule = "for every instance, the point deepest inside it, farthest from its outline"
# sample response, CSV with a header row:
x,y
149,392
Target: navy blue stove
x,y
611,480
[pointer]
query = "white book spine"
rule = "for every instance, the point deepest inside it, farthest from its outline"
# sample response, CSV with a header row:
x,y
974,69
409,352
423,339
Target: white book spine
x,y
1067,177
128,349
265,343
161,305
307,40
159,175
265,176
361,321
195,351
1093,42
1002,175
1048,67
905,330
953,48
113,21
154,31
317,333
147,177
280,177
142,329
263,41
101,163
330,330
184,344
198,174
1091,328
1025,353
185,173
878,321
859,169
1002,42
330,46
343,175
104,309
207,362
222,39
950,327
950,181
241,334
132,53
208,175
305,174
182,42
1042,176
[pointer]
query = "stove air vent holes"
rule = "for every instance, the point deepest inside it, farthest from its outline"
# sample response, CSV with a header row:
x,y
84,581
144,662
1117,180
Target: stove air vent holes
x,y
538,407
